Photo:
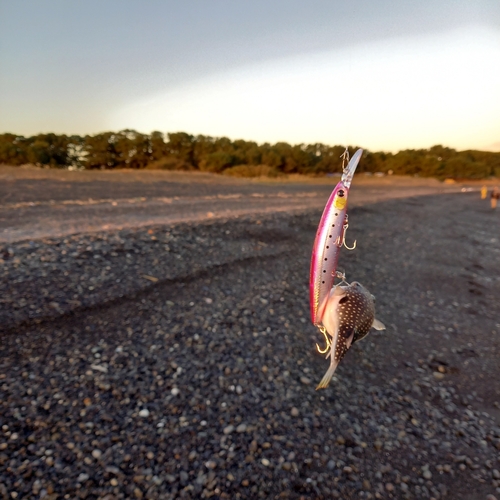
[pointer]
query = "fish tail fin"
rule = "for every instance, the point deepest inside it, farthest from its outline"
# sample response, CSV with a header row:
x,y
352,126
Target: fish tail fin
x,y
328,375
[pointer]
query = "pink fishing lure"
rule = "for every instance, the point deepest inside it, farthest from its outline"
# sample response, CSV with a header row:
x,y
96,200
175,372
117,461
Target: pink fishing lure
x,y
328,242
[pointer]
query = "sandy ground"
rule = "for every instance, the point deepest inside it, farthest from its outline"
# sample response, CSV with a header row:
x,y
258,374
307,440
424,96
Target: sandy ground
x,y
177,360
37,203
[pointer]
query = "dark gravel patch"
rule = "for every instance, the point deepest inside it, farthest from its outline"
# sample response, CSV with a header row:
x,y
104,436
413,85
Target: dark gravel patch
x,y
201,384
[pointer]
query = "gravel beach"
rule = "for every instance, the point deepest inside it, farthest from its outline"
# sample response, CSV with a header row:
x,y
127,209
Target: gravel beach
x,y
178,360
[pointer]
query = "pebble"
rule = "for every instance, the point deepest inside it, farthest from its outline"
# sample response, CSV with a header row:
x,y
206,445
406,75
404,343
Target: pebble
x,y
272,432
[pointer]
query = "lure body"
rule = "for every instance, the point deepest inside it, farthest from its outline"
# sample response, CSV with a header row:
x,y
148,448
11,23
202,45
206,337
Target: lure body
x,y
329,240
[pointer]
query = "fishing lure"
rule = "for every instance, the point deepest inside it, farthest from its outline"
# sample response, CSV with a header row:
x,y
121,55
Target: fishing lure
x,y
329,240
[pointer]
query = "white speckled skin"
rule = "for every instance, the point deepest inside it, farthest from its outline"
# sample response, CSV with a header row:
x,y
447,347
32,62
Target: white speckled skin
x,y
349,315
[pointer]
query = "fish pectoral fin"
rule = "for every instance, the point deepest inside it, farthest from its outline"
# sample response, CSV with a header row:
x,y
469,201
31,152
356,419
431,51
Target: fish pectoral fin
x,y
378,325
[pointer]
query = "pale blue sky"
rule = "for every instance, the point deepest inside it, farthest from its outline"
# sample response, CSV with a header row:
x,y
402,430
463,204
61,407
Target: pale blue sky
x,y
382,74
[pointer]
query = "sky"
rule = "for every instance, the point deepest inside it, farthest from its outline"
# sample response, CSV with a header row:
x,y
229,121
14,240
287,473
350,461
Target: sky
x,y
380,74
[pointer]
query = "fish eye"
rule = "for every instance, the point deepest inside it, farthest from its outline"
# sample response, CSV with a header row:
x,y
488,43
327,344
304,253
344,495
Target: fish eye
x,y
343,300
341,193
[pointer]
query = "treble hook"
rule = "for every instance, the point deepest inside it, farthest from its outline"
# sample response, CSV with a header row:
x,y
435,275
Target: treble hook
x,y
340,243
322,329
343,239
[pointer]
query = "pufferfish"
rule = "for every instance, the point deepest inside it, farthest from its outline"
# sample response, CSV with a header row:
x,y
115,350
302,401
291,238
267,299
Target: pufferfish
x,y
348,316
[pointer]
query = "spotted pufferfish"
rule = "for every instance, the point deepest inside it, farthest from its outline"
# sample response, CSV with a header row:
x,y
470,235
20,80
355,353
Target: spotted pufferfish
x,y
348,316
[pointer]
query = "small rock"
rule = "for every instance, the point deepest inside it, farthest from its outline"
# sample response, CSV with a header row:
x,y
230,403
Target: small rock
x,y
82,477
294,412
211,464
305,380
175,391
228,430
144,413
265,462
241,428
202,479
427,474
495,473
97,454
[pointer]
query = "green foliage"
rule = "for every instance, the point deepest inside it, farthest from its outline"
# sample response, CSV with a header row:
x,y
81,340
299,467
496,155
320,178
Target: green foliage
x,y
252,171
169,163
182,151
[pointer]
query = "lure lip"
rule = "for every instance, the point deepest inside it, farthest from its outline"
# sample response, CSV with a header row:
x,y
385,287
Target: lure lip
x,y
348,173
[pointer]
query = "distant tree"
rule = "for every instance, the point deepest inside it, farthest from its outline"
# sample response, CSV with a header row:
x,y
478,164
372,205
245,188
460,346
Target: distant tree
x,y
100,151
13,149
157,146
181,146
216,162
49,150
131,149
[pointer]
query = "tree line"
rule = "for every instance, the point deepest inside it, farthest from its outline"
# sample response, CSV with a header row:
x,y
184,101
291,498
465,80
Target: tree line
x,y
182,151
